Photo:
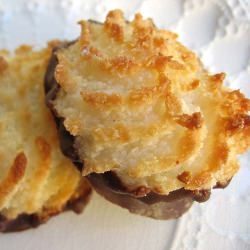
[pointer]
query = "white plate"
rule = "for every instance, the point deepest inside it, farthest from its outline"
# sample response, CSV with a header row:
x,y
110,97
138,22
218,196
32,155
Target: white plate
x,y
219,31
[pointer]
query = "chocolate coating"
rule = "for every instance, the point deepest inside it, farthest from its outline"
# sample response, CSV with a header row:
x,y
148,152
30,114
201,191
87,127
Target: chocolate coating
x,y
26,221
152,205
51,90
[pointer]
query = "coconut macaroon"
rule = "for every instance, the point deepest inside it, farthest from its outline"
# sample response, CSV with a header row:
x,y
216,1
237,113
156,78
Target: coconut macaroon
x,y
36,179
140,106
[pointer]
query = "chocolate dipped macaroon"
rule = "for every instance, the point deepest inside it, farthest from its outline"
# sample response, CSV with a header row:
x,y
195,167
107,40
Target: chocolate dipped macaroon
x,y
139,115
36,180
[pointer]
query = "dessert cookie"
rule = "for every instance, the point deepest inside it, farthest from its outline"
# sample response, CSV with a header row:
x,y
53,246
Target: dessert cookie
x,y
138,112
36,180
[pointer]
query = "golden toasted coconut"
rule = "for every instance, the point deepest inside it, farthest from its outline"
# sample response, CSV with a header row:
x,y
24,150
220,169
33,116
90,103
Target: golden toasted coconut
x,y
35,178
142,105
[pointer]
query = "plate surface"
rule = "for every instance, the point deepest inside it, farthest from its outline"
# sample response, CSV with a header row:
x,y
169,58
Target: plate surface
x,y
219,31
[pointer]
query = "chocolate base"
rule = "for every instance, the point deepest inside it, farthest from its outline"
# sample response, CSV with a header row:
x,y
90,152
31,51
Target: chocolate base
x,y
162,207
51,88
142,201
27,221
